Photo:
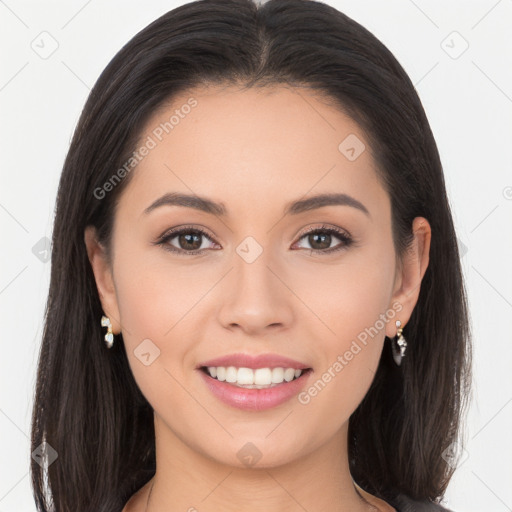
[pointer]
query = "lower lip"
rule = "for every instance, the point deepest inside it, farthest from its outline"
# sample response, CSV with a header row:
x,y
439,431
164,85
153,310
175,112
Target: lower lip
x,y
254,399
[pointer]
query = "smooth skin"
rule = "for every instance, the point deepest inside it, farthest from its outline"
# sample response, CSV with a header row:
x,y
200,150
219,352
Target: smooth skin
x,y
254,151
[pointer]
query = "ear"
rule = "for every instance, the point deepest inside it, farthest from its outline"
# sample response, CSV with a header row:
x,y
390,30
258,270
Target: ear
x,y
410,273
104,278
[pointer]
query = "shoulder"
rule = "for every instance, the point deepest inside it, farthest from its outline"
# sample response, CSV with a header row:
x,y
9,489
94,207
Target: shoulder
x,y
403,503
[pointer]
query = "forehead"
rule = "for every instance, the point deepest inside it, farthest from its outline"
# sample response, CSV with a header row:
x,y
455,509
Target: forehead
x,y
253,146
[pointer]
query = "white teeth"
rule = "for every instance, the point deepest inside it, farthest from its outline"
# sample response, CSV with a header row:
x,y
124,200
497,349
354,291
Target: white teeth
x,y
245,376
231,374
262,376
249,378
277,375
221,373
289,374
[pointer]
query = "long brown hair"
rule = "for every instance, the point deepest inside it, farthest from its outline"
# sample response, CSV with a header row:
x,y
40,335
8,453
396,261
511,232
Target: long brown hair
x,y
87,405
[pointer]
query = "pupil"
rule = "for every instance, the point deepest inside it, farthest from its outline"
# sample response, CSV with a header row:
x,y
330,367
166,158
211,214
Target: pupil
x,y
324,237
185,239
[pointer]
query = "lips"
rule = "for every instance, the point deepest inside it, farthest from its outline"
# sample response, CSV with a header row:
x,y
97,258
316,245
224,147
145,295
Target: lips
x,y
241,360
254,399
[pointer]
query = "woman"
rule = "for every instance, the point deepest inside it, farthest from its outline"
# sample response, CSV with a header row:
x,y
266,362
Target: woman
x,y
256,300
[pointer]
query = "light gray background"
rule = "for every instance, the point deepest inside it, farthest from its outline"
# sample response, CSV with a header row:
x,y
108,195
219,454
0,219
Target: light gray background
x,y
468,99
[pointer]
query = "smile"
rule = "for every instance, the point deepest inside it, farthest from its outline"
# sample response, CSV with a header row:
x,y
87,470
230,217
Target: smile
x,y
259,378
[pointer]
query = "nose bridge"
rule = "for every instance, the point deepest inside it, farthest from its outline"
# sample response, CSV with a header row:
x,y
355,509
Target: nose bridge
x,y
251,266
256,299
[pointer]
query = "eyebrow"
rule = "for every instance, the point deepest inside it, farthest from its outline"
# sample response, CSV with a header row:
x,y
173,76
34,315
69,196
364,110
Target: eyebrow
x,y
293,208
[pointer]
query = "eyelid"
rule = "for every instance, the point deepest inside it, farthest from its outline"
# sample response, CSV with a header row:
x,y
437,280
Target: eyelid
x,y
177,230
342,234
324,227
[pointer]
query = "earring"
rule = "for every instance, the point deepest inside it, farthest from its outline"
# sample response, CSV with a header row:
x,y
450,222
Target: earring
x,y
398,345
109,337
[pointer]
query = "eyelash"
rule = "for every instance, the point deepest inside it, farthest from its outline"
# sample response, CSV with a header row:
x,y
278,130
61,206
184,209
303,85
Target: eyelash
x,y
345,238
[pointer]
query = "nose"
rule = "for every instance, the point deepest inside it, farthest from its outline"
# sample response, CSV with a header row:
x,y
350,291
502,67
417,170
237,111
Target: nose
x,y
255,298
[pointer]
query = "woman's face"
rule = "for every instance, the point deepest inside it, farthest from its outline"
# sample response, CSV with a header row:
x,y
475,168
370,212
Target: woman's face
x,y
256,282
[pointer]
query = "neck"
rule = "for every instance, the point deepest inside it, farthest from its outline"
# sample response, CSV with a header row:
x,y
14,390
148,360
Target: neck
x,y
187,480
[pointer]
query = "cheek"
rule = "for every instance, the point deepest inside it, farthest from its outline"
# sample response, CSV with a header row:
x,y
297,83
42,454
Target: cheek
x,y
158,305
349,358
362,301
154,297
352,300
348,298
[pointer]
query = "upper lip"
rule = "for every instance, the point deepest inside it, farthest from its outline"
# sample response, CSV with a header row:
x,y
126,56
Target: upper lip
x,y
255,361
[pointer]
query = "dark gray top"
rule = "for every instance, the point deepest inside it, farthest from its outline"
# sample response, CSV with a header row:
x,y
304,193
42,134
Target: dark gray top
x,y
403,503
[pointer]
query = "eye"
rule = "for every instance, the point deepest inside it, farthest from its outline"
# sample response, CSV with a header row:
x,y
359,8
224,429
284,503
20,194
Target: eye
x,y
187,240
320,239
